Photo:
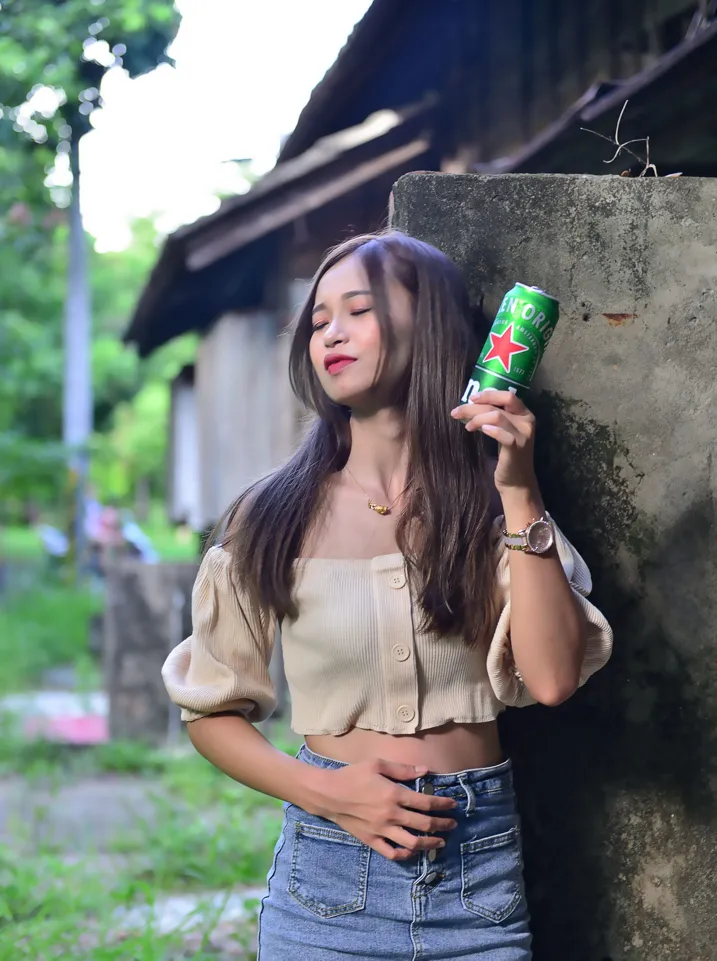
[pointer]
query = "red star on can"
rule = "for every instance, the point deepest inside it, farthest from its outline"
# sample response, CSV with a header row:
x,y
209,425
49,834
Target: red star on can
x,y
503,347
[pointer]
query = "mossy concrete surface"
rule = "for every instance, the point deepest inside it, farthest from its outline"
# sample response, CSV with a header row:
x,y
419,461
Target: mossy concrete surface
x,y
618,786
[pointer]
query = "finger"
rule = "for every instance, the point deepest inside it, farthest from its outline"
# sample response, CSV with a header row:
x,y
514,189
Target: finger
x,y
393,854
415,801
523,427
410,842
504,437
479,405
498,420
427,825
525,422
505,399
466,411
399,772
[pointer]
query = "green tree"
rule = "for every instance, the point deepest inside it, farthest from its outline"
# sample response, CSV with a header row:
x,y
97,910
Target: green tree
x,y
53,56
131,397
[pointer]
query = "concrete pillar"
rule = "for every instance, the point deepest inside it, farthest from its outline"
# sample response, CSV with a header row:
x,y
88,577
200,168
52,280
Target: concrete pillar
x,y
146,615
618,787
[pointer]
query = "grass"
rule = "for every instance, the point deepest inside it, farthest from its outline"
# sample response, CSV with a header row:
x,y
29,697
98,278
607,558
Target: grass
x,y
212,834
44,622
42,627
49,760
50,909
20,543
209,835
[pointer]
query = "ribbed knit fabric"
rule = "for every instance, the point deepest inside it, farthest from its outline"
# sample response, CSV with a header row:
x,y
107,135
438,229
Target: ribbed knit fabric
x,y
356,655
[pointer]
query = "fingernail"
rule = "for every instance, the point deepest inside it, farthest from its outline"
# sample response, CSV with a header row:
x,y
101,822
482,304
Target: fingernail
x,y
421,771
478,393
441,844
488,429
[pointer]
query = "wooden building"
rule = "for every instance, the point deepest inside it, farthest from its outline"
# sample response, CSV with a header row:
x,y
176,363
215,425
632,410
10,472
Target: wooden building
x,y
456,86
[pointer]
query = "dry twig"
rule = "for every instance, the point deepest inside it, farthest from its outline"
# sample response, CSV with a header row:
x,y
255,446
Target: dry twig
x,y
615,141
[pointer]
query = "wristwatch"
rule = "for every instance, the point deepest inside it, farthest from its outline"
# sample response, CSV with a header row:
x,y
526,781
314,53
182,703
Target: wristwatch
x,y
537,538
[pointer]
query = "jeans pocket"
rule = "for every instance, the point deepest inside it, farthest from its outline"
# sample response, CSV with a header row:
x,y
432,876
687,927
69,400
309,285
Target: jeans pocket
x,y
329,870
492,875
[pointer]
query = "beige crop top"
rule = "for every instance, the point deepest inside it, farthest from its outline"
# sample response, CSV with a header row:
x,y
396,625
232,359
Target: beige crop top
x,y
356,655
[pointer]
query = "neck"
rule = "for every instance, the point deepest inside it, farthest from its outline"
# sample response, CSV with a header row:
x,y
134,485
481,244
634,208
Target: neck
x,y
379,455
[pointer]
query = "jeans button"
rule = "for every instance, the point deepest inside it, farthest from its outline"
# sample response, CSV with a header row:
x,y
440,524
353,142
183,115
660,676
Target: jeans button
x,y
432,854
428,789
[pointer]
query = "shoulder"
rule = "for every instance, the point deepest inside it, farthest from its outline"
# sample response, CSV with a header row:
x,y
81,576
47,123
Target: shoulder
x,y
214,576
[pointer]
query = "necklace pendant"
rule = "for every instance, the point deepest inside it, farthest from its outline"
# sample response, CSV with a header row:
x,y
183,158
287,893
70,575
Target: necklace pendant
x,y
379,508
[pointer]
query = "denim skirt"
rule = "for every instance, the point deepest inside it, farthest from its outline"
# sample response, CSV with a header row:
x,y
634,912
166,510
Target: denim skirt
x,y
330,896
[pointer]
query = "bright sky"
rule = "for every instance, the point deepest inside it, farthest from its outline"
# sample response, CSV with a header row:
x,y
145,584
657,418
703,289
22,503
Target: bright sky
x,y
244,70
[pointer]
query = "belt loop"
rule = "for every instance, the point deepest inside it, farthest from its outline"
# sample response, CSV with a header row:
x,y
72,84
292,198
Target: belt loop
x,y
470,807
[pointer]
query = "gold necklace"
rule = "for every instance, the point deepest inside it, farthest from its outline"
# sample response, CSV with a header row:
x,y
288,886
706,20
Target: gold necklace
x,y
381,509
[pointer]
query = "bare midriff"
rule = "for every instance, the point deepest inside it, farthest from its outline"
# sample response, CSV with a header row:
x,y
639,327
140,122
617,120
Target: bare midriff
x,y
443,750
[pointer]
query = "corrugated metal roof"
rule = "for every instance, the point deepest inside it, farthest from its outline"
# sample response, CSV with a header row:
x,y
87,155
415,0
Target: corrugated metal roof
x,y
677,89
221,261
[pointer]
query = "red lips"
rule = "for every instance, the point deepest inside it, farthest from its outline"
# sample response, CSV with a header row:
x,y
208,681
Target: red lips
x,y
335,363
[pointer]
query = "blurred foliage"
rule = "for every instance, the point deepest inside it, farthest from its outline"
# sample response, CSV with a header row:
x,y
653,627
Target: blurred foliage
x,y
53,56
131,397
43,627
67,46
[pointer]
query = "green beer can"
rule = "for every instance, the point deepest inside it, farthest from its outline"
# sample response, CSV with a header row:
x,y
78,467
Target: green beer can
x,y
516,343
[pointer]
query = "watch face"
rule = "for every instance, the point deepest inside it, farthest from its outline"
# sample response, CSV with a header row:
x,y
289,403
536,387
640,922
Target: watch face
x,y
540,537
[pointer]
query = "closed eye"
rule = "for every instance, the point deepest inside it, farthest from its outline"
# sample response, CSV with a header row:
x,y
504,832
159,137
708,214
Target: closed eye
x,y
357,312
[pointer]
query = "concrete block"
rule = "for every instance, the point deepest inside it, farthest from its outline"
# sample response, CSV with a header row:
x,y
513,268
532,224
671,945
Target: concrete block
x,y
147,614
619,786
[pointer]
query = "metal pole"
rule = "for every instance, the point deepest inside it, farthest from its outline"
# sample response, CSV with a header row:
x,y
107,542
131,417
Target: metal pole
x,y
77,387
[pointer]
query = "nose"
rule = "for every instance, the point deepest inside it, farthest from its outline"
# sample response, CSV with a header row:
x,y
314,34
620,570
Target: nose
x,y
334,334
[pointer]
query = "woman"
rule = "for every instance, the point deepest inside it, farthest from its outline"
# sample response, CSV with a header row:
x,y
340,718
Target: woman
x,y
377,551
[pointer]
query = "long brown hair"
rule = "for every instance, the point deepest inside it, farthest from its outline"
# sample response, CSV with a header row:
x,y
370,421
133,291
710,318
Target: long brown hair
x,y
444,527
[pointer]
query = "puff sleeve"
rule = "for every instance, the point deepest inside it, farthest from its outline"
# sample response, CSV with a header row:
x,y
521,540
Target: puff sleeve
x,y
224,664
504,677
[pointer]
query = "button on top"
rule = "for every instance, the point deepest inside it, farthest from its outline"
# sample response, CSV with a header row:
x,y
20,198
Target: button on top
x,y
432,854
397,581
428,789
406,713
401,652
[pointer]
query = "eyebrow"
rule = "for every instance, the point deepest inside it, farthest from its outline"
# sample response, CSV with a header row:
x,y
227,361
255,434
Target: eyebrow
x,y
347,296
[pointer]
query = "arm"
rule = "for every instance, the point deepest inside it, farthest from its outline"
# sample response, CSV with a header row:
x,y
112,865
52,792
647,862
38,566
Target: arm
x,y
220,677
548,626
232,743
361,798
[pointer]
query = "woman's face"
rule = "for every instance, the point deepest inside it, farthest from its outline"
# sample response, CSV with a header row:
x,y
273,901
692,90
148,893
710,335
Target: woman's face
x,y
345,346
